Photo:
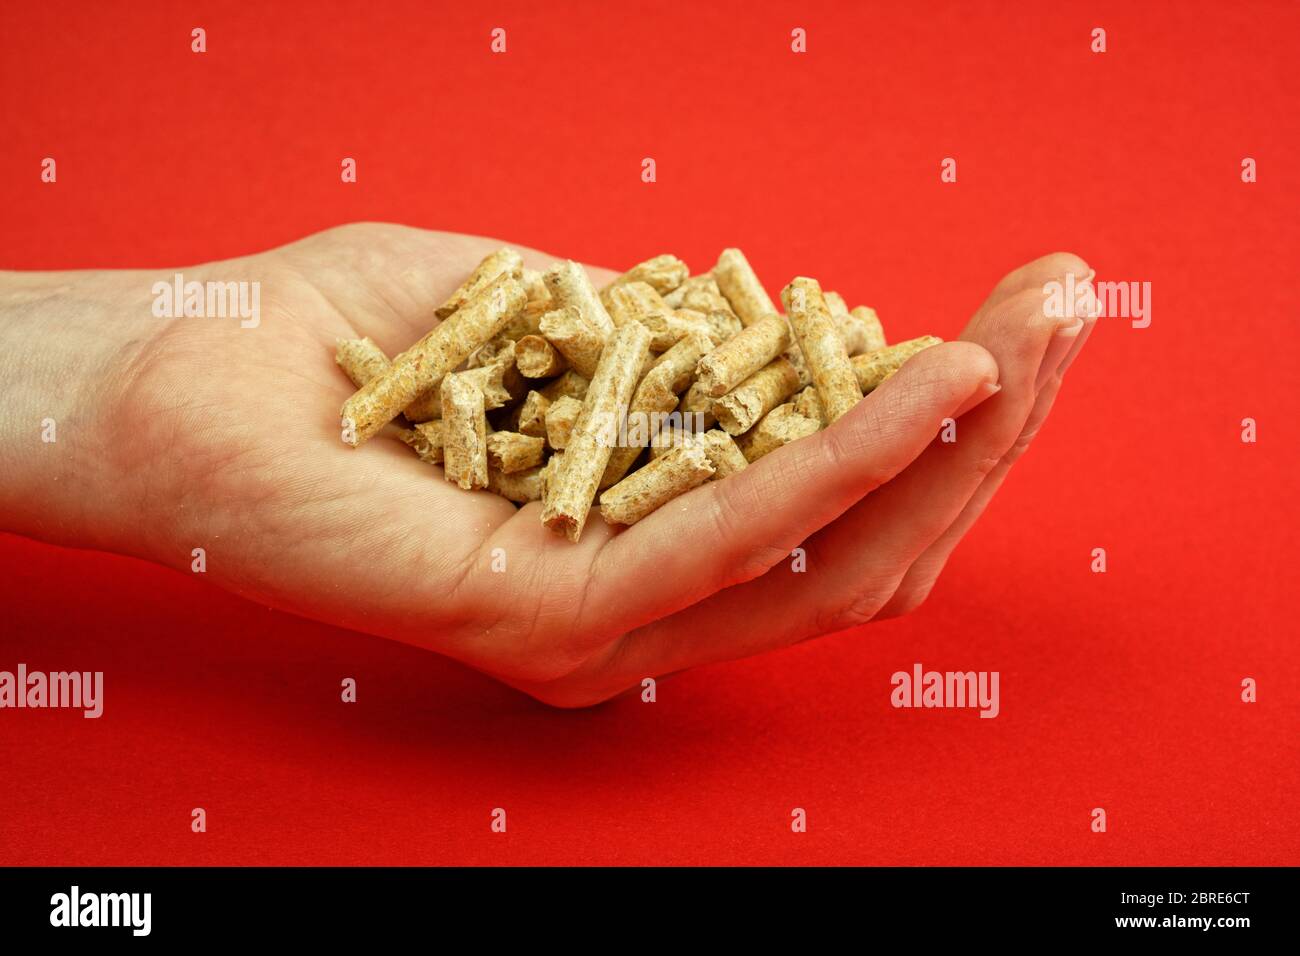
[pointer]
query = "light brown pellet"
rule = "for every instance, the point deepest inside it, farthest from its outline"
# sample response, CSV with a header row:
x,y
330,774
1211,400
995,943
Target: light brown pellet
x,y
655,396
662,273
874,331
535,287
795,357
688,320
835,302
499,349
656,484
570,383
579,341
587,452
670,437
509,452
697,401
723,452
546,481
528,321
423,365
780,426
569,285
361,360
638,301
737,281
874,367
723,322
537,358
499,382
464,432
496,264
732,362
520,487
426,439
807,404
852,333
560,418
701,294
742,407
529,417
822,347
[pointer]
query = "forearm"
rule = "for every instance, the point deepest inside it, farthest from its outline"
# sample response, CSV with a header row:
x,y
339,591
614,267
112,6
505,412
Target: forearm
x,y
67,343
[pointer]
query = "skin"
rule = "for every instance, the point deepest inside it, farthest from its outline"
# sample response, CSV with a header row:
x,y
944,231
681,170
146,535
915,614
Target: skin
x,y
175,434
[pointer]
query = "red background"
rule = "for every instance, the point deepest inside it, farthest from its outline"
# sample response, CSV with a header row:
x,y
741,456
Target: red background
x,y
1119,690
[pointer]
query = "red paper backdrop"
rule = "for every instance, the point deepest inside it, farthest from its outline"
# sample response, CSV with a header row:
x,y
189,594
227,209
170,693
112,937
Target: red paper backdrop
x,y
1119,690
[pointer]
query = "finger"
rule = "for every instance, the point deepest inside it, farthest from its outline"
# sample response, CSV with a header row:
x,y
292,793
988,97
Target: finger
x,y
1053,267
921,577
914,513
924,572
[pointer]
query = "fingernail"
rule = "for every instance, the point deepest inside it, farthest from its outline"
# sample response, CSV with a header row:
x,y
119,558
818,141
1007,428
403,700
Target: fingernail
x,y
1076,348
1062,341
985,391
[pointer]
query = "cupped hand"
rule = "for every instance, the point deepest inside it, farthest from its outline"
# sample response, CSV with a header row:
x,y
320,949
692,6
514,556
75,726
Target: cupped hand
x,y
228,439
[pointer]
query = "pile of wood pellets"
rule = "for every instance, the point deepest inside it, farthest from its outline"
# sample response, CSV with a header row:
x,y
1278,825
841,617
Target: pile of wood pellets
x,y
539,388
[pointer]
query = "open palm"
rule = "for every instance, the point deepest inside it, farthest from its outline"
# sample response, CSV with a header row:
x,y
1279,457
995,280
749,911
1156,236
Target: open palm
x,y
235,448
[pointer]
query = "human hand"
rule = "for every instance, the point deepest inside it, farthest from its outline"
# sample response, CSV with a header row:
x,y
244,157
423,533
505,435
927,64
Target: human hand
x,y
177,434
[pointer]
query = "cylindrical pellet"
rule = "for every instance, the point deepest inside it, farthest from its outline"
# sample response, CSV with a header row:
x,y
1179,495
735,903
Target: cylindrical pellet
x,y
499,382
873,331
422,366
655,396
520,487
662,273
737,281
569,285
538,358
496,264
509,452
822,347
570,383
873,368
732,362
723,452
464,432
637,301
780,426
577,340
560,419
588,449
697,401
529,416
741,408
807,404
426,439
361,360
656,484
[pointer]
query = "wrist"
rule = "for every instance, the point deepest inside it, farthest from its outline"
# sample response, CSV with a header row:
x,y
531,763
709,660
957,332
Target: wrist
x,y
64,340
